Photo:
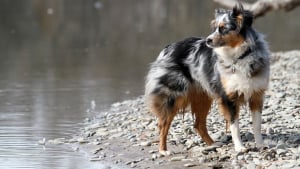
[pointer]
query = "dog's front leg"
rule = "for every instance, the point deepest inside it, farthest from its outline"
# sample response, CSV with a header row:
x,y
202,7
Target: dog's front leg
x,y
256,121
230,110
236,137
256,104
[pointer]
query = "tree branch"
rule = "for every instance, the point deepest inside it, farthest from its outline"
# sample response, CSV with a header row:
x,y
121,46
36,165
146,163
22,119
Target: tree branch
x,y
261,7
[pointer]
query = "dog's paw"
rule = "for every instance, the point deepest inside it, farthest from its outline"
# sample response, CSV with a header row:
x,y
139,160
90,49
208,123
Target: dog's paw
x,y
165,153
262,146
241,149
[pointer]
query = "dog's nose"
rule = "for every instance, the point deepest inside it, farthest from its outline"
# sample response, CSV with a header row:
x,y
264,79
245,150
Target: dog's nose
x,y
209,41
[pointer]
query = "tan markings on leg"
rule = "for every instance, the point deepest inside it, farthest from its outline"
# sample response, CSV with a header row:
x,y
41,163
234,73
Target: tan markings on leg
x,y
234,127
223,108
200,105
256,101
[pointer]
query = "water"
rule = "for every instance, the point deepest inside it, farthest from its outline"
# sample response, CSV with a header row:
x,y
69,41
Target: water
x,y
59,56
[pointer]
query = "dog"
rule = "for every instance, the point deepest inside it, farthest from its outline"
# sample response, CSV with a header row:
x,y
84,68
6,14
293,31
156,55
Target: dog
x,y
231,67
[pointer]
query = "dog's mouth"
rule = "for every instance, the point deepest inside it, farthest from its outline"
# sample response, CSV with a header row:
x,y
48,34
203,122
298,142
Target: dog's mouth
x,y
211,44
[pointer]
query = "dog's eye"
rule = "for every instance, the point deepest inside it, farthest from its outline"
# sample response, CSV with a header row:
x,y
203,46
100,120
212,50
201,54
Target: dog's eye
x,y
223,29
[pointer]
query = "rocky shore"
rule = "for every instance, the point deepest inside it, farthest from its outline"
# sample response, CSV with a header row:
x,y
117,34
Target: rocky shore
x,y
126,136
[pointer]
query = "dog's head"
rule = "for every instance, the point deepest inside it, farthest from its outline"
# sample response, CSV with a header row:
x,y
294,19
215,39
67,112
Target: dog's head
x,y
229,27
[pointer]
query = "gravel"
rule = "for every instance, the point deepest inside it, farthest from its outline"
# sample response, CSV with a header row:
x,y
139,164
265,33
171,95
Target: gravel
x,y
127,135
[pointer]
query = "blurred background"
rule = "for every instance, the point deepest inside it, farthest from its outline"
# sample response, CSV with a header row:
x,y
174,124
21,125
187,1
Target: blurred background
x,y
58,56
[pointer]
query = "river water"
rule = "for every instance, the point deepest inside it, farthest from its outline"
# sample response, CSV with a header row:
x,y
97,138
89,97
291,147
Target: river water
x,y
57,57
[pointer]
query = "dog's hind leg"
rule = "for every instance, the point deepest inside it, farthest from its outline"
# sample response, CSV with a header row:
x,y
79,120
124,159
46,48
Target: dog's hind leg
x,y
200,105
164,123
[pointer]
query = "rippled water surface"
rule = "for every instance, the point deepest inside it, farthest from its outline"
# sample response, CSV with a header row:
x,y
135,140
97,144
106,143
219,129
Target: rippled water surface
x,y
59,56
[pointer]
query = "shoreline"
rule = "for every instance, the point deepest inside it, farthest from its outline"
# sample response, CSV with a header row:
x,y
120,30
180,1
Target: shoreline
x,y
126,136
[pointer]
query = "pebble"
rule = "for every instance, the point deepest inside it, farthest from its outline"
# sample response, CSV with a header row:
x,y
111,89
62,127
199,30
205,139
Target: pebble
x,y
273,166
189,165
154,156
281,152
42,142
82,140
97,158
281,146
269,131
57,141
178,158
146,143
251,165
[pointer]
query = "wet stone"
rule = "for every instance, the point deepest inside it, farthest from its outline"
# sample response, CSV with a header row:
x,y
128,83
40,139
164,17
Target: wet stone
x,y
146,143
178,158
189,165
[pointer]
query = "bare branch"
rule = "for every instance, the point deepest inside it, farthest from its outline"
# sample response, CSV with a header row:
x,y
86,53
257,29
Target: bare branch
x,y
261,7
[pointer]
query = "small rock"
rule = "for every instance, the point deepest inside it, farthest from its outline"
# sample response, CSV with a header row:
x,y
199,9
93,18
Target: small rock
x,y
224,158
248,157
281,146
97,158
251,165
133,140
189,143
146,143
154,156
189,165
280,95
281,152
234,162
57,141
178,158
101,133
225,138
240,157
96,150
249,136
42,142
106,144
82,140
76,149
212,148
256,161
132,165
269,131
288,165
270,155
152,151
187,160
273,166
116,135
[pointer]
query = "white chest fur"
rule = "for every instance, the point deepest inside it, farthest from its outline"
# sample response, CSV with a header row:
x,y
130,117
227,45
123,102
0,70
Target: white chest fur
x,y
235,77
239,82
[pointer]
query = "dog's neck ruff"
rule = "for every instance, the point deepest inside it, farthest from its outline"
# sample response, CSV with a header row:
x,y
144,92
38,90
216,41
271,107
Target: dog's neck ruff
x,y
234,61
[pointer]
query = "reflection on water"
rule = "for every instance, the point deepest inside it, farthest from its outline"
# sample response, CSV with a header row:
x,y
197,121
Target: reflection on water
x,y
57,56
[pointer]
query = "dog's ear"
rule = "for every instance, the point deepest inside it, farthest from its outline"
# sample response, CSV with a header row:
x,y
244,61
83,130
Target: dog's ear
x,y
238,14
213,24
237,10
248,18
